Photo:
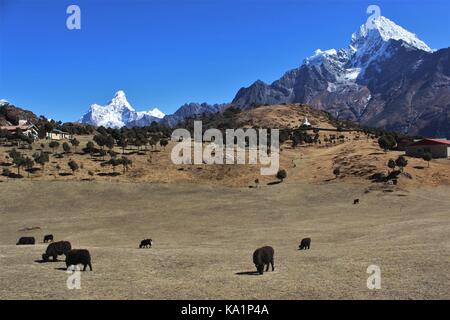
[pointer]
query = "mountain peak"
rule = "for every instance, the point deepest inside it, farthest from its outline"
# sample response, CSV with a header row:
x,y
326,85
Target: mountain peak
x,y
156,113
120,101
370,43
119,94
319,56
119,113
381,28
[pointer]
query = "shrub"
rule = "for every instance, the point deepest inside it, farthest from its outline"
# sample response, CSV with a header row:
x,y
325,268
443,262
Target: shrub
x,y
90,148
75,143
66,147
102,153
391,164
163,143
427,157
6,172
73,166
54,145
281,175
378,177
337,172
401,162
387,142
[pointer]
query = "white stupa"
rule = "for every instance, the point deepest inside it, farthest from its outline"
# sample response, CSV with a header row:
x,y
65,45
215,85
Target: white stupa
x,y
306,123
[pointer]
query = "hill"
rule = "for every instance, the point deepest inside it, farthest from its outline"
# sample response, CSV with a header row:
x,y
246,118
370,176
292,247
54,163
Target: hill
x,y
202,215
353,150
10,114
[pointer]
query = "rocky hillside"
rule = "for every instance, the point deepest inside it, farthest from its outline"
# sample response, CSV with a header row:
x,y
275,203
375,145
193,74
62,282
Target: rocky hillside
x,y
10,114
189,110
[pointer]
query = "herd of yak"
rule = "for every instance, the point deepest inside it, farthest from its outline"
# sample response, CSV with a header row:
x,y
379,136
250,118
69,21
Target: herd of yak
x,y
262,257
74,257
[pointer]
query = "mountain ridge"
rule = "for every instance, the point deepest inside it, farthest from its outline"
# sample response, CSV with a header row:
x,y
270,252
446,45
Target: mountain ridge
x,y
358,83
386,77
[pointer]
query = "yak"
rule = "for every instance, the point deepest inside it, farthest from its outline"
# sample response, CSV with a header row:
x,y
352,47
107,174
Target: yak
x,y
146,243
56,249
78,256
48,238
263,257
356,201
305,244
25,240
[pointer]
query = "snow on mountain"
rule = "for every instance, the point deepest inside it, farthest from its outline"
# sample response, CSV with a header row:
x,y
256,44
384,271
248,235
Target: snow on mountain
x,y
370,43
119,113
385,77
333,79
319,56
384,29
152,113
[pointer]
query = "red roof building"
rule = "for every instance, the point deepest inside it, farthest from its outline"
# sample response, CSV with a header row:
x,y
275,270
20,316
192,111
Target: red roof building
x,y
438,148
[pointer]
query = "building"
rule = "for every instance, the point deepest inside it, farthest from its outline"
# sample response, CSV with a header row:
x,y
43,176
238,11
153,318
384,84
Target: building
x,y
57,134
439,148
27,129
306,123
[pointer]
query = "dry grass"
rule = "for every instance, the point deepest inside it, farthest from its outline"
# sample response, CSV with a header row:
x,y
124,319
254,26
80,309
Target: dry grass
x,y
358,158
206,222
283,116
204,235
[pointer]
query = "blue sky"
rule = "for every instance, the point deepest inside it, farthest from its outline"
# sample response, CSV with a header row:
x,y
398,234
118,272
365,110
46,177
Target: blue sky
x,y
167,52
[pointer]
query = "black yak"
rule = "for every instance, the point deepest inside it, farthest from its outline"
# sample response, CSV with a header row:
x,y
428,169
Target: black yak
x,y
48,238
78,256
305,244
25,240
263,256
56,249
146,243
356,201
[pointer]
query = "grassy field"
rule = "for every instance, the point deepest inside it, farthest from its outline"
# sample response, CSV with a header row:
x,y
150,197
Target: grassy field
x,y
204,237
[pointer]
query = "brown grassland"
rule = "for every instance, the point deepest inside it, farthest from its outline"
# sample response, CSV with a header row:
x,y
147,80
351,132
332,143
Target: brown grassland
x,y
206,222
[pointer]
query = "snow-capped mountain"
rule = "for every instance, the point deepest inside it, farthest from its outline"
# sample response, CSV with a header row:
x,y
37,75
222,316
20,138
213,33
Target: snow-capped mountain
x,y
370,43
372,34
119,113
386,77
